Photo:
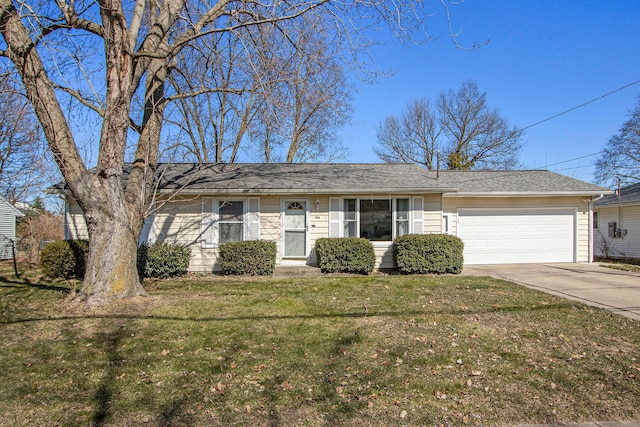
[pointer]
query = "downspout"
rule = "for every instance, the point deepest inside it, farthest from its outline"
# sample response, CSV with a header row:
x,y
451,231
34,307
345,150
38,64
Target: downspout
x,y
591,234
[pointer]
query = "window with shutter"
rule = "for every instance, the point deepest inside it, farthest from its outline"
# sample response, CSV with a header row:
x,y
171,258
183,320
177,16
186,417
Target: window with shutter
x,y
226,220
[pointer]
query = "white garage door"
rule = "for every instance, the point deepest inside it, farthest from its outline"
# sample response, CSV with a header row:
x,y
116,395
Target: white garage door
x,y
507,236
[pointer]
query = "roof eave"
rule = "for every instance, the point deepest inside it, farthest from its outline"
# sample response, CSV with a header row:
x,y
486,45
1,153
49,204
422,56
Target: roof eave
x,y
527,193
284,191
616,203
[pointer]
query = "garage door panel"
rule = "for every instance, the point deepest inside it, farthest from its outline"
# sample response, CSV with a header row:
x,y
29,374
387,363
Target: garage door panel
x,y
517,235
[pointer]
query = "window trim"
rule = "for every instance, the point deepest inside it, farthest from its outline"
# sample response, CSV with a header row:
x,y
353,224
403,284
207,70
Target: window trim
x,y
394,215
218,221
210,233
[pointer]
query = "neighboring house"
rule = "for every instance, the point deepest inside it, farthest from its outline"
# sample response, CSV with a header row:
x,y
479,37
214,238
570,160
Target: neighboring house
x,y
501,216
8,215
616,223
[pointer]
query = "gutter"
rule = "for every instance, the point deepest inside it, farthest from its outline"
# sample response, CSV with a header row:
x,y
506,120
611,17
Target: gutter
x,y
328,191
527,194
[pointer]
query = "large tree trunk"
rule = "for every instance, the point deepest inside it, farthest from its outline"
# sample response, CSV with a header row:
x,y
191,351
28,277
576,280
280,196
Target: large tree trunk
x,y
111,271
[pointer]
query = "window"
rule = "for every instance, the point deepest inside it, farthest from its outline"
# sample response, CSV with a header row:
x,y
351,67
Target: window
x,y
230,221
350,218
595,220
402,217
226,220
377,219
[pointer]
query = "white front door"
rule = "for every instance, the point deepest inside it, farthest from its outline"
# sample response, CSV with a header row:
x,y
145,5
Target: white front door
x,y
294,228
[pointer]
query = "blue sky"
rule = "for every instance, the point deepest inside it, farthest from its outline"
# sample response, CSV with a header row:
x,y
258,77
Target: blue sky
x,y
542,58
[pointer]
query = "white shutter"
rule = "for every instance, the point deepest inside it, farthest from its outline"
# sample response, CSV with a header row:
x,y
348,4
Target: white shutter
x,y
252,219
418,215
208,234
335,218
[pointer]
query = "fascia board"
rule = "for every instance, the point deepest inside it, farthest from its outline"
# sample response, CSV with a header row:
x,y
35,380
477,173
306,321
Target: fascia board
x,y
283,191
526,193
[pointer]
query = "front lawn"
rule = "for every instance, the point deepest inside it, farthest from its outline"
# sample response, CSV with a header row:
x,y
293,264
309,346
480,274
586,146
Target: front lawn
x,y
330,351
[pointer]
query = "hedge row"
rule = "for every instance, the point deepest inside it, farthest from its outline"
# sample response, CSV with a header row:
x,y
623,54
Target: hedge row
x,y
428,253
413,254
253,257
66,259
345,255
163,260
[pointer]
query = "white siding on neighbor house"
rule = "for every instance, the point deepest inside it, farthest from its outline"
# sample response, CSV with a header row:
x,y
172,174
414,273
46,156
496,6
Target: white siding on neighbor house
x,y
453,205
626,218
8,217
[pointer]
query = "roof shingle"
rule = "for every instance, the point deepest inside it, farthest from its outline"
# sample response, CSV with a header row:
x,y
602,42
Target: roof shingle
x,y
365,178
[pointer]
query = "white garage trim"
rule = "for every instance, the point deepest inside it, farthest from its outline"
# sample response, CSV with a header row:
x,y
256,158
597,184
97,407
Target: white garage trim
x,y
518,235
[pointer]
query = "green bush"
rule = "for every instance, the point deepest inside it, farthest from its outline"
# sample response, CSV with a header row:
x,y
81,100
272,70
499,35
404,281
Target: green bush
x,y
345,255
64,259
251,257
163,260
428,253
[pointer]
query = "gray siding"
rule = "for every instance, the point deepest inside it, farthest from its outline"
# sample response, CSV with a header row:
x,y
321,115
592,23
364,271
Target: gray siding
x,y
626,218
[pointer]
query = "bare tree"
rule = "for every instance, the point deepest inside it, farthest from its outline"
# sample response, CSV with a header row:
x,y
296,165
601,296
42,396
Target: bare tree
x,y
23,164
108,57
468,133
317,97
411,138
621,155
283,102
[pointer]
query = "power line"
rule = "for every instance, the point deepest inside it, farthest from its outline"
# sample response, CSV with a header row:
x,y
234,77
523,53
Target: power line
x,y
570,160
581,105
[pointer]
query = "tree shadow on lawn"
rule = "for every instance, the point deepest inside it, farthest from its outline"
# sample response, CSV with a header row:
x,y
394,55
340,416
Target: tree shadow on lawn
x,y
25,283
170,413
351,314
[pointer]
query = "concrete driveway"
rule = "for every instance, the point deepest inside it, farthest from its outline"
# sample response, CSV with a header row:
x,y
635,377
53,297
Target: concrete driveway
x,y
614,290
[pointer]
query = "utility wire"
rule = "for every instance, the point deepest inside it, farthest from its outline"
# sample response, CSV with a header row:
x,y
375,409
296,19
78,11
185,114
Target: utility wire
x,y
581,105
570,160
570,110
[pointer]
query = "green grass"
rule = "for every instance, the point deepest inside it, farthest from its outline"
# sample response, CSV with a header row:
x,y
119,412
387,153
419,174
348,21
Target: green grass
x,y
351,351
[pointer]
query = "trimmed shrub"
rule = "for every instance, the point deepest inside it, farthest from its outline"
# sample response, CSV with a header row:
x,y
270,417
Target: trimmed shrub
x,y
162,260
345,255
251,257
428,253
64,259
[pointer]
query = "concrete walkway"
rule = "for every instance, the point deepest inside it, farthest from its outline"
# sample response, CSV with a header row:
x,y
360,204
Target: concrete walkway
x,y
591,284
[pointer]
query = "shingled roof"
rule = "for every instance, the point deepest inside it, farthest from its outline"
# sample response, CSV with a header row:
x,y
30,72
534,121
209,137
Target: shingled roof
x,y
318,178
628,195
366,178
517,182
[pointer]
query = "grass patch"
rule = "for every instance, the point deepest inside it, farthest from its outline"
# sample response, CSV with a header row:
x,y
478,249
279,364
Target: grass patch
x,y
349,351
625,264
